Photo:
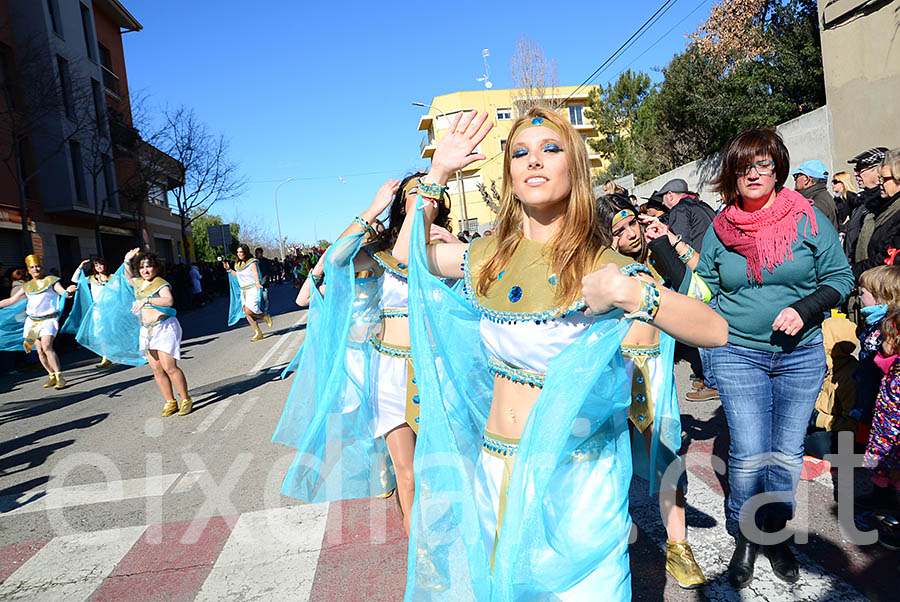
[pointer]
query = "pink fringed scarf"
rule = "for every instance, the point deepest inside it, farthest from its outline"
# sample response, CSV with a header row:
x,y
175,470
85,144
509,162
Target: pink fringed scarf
x,y
765,237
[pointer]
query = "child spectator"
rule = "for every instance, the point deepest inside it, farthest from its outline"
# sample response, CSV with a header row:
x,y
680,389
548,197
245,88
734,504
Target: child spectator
x,y
879,287
882,456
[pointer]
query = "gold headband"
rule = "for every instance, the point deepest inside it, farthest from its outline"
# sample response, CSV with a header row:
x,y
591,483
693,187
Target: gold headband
x,y
533,123
413,183
620,215
33,260
146,260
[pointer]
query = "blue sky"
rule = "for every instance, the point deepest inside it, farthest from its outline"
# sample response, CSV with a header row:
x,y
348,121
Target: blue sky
x,y
317,90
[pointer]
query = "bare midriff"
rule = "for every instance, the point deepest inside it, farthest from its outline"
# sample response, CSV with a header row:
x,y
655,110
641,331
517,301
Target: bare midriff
x,y
395,331
642,334
510,407
150,315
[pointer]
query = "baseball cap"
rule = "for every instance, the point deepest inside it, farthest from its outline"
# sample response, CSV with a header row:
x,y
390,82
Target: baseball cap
x,y
813,169
869,158
676,185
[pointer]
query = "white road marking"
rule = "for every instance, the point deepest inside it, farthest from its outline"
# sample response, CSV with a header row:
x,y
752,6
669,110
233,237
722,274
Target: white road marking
x,y
214,414
290,351
244,408
187,481
70,567
92,493
281,341
270,555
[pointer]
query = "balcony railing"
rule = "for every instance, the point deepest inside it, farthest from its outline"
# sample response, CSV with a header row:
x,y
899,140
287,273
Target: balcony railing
x,y
110,81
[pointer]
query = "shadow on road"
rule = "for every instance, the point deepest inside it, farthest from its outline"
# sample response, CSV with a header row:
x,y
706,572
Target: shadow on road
x,y
213,393
19,410
12,497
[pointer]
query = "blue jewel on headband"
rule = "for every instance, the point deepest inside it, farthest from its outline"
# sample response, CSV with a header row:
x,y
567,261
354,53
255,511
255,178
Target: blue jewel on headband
x,y
515,293
553,279
401,266
537,121
500,275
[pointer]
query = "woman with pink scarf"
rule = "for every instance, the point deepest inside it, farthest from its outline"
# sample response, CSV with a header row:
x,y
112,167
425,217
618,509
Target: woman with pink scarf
x,y
776,264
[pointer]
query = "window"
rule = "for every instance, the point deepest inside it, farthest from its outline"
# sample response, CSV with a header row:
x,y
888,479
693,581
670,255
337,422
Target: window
x,y
576,114
504,113
99,113
78,172
110,183
502,144
88,29
55,21
65,89
6,74
110,79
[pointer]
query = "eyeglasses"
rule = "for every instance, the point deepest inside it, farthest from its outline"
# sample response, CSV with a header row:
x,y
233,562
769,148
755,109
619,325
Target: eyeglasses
x,y
858,170
762,168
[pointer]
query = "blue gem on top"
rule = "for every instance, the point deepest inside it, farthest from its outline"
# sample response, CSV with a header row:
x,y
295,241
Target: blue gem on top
x,y
401,266
537,121
515,293
500,275
415,399
553,279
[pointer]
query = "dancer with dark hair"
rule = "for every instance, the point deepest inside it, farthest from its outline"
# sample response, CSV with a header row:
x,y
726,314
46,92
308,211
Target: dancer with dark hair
x,y
160,338
370,363
246,287
87,292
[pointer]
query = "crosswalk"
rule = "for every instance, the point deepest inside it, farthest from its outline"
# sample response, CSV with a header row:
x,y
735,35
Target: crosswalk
x,y
351,550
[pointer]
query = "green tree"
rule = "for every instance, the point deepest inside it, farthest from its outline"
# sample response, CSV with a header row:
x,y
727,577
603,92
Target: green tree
x,y
613,110
201,241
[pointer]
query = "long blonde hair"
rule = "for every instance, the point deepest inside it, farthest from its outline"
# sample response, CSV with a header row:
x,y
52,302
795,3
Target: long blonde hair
x,y
574,248
844,178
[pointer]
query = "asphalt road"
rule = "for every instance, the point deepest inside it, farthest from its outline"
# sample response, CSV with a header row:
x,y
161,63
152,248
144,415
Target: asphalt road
x,y
91,478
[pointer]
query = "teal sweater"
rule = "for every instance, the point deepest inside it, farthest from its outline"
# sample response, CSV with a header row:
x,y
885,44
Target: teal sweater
x,y
750,309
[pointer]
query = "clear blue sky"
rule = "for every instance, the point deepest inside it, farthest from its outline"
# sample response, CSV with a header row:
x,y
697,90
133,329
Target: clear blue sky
x,y
317,90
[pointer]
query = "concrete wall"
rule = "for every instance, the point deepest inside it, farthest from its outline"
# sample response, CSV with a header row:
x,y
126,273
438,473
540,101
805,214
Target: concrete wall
x,y
861,60
807,137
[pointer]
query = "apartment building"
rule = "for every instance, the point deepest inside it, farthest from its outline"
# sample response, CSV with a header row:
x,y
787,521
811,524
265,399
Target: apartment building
x,y
83,194
468,209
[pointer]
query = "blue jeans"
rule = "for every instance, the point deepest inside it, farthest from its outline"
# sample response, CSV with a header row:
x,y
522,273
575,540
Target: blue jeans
x,y
709,378
768,398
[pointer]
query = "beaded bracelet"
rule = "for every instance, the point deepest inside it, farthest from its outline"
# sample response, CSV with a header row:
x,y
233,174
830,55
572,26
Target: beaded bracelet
x,y
649,303
363,224
431,190
686,256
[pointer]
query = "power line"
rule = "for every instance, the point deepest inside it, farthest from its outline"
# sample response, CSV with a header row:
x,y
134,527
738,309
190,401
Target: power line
x,y
636,35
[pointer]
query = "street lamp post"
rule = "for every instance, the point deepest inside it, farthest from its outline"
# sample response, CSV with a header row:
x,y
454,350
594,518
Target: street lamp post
x,y
278,221
459,179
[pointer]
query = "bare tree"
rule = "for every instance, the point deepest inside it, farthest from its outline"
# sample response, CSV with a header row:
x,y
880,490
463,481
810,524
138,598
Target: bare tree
x,y
534,74
255,233
209,175
492,198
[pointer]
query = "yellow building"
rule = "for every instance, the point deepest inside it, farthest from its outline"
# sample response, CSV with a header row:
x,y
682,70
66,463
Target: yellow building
x,y
468,210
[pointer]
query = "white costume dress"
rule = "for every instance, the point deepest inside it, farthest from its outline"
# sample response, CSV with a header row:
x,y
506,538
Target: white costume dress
x,y
42,310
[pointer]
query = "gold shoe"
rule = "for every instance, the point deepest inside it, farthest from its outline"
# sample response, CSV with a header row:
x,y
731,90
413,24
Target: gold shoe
x,y
105,363
60,382
50,382
186,406
681,565
258,336
170,408
268,320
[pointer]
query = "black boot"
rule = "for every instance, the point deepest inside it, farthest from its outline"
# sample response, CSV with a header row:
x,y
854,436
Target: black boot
x,y
784,565
740,569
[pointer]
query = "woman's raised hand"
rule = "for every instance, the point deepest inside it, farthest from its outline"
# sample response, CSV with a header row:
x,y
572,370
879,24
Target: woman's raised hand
x,y
455,150
130,254
608,288
653,228
442,234
383,198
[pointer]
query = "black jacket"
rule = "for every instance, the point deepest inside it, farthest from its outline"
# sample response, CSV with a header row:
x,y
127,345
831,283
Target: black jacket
x,y
851,228
821,200
690,219
886,235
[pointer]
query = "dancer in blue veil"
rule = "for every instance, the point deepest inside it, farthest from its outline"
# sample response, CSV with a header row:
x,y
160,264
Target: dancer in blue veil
x,y
246,292
43,298
356,369
524,461
87,293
